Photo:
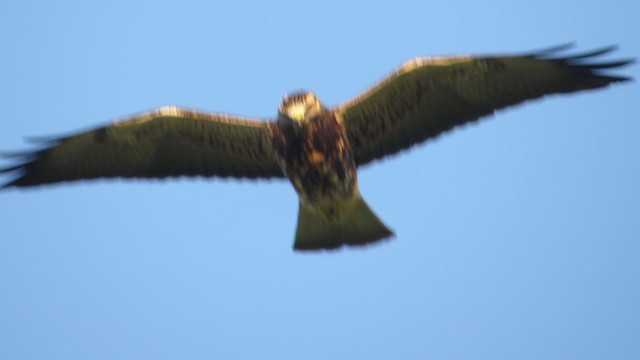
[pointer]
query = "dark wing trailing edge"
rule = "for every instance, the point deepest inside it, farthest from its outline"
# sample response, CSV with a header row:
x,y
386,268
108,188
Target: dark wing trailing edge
x,y
167,142
428,96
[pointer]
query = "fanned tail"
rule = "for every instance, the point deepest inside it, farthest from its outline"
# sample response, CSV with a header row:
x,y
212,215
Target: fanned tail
x,y
354,225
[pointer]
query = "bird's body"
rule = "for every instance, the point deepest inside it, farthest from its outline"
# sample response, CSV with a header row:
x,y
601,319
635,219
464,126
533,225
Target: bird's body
x,y
318,149
314,152
315,155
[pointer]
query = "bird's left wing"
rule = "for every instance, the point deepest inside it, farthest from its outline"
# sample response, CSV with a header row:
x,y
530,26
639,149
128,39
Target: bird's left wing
x,y
428,96
166,142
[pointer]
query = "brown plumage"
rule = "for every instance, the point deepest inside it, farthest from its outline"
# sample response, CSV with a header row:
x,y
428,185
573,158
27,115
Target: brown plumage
x,y
310,142
317,148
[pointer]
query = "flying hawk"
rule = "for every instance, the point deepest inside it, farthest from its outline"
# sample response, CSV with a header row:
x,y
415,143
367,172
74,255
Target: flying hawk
x,y
318,149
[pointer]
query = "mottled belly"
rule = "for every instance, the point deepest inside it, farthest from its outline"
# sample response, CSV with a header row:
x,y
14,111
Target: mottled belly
x,y
323,177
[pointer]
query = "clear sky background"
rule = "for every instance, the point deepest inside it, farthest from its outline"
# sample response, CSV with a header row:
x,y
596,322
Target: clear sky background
x,y
516,238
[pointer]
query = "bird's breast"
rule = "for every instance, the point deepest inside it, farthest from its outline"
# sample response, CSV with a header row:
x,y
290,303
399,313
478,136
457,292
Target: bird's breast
x,y
317,158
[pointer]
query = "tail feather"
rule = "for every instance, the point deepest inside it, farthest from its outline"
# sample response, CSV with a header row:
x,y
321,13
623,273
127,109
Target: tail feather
x,y
354,225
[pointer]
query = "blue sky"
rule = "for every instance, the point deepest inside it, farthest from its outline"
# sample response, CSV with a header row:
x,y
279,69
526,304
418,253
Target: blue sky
x,y
517,237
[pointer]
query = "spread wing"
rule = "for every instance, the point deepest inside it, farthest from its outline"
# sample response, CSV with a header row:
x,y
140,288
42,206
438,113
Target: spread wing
x,y
169,141
428,96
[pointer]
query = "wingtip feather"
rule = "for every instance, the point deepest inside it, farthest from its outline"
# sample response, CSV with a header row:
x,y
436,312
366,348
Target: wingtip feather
x,y
550,50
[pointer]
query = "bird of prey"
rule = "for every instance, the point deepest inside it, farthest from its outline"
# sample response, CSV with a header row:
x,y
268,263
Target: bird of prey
x,y
318,149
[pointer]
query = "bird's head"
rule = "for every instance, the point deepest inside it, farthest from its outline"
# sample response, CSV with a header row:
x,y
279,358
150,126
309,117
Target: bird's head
x,y
299,108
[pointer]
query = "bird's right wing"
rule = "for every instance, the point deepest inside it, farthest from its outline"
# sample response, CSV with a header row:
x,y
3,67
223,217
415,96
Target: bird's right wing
x,y
428,96
166,142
